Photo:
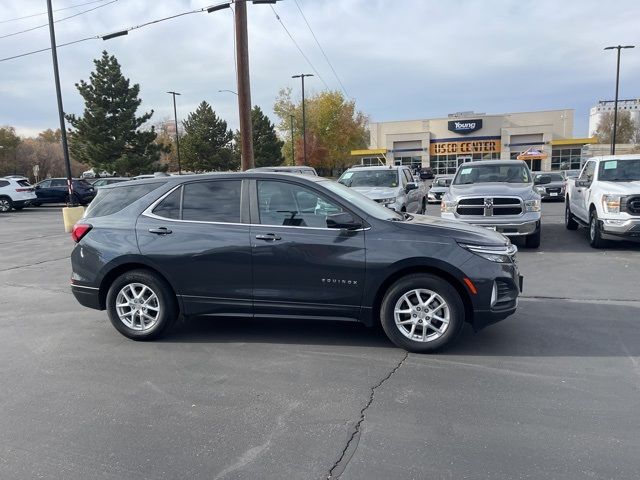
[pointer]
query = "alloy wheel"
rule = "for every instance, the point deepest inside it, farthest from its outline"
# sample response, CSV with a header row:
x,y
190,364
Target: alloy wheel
x,y
138,306
5,205
422,315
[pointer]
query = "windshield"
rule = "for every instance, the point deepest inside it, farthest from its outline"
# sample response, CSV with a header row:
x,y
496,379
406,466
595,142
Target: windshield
x,y
370,178
619,170
548,178
365,204
442,182
469,174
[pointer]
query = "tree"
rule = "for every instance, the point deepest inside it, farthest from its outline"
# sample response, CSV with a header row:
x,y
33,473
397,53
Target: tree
x,y
166,139
267,147
206,144
9,142
50,136
334,128
109,136
626,128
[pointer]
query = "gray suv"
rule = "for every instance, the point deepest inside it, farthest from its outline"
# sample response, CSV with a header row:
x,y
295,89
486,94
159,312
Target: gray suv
x,y
496,194
261,245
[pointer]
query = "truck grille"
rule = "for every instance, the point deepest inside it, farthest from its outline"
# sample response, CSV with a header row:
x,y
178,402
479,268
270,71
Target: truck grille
x,y
489,206
633,205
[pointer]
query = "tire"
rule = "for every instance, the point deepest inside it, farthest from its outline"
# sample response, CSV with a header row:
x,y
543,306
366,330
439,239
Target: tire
x,y
595,237
5,204
569,221
446,305
423,211
135,320
533,240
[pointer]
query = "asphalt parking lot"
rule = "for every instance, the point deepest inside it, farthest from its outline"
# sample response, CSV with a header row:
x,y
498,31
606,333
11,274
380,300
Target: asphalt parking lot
x,y
551,392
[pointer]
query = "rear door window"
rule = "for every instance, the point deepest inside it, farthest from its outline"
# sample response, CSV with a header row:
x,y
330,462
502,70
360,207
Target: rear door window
x,y
59,182
171,206
213,201
111,200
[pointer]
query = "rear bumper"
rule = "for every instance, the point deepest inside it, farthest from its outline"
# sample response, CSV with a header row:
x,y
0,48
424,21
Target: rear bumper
x,y
87,296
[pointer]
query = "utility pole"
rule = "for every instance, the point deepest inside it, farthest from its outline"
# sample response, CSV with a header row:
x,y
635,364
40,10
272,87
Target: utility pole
x,y
63,130
244,86
304,120
615,102
293,148
175,117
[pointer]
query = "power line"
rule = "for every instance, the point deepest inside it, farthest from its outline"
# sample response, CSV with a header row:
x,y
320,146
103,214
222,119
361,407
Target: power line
x,y
107,36
59,20
321,49
299,49
56,10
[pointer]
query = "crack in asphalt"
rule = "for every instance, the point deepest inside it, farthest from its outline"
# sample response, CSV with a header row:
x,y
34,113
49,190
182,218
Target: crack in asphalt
x,y
34,264
347,452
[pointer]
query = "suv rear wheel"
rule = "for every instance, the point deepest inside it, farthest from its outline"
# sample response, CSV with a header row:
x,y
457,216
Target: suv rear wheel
x,y
422,313
141,305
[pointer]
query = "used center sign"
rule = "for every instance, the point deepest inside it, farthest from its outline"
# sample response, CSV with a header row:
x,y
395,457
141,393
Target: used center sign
x,y
461,148
465,126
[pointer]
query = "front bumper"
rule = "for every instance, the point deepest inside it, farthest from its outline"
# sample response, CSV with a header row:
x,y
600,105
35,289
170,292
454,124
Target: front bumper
x,y
526,225
623,229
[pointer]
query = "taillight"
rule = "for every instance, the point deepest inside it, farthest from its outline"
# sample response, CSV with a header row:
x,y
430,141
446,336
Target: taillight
x,y
79,231
23,189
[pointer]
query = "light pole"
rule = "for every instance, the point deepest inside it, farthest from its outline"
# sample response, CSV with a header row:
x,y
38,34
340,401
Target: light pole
x,y
230,91
304,120
175,118
63,130
293,148
615,102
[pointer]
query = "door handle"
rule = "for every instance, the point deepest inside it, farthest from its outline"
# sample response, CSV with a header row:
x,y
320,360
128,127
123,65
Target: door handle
x,y
160,231
269,237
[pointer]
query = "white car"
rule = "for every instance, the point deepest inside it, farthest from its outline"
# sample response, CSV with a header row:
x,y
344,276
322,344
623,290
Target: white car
x,y
606,199
15,193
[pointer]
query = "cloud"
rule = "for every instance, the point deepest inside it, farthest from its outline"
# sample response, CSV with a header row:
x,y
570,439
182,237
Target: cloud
x,y
399,59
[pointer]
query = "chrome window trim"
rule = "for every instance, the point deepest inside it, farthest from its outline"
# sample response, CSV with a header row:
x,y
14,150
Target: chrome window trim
x,y
148,212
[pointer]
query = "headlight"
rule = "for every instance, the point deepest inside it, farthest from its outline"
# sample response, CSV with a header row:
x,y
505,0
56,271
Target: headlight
x,y
500,254
611,203
532,205
386,201
539,189
447,206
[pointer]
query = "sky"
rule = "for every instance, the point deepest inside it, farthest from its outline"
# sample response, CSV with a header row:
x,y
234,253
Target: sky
x,y
398,59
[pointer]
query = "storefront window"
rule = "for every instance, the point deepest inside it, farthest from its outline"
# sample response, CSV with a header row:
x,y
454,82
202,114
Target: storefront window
x,y
565,159
448,164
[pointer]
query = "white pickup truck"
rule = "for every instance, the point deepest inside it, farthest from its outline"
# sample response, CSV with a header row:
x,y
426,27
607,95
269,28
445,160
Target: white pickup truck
x,y
606,198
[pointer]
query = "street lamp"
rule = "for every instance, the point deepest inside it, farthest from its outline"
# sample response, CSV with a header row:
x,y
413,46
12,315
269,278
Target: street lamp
x,y
230,91
615,103
304,124
175,118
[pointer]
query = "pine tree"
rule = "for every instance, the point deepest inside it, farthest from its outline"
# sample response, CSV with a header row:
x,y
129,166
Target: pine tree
x,y
206,144
267,147
108,136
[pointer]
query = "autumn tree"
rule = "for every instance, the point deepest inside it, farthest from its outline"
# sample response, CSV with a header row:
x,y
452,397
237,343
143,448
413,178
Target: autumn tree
x,y
109,135
267,147
207,142
9,142
627,131
166,139
334,128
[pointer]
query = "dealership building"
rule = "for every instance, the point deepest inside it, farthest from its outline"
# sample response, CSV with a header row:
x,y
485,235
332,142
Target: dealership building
x,y
545,138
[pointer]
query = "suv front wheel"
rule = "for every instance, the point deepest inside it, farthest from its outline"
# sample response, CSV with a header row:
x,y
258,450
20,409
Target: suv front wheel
x,y
422,313
141,305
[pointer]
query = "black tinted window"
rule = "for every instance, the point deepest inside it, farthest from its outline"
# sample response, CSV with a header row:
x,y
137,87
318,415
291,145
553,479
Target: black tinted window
x,y
112,200
170,206
3,183
58,182
216,201
24,183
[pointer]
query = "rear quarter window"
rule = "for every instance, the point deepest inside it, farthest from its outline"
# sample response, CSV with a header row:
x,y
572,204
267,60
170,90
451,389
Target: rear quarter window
x,y
111,200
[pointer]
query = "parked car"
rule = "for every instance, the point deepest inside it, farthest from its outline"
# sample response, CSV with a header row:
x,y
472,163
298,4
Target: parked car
x,y
496,194
101,182
606,199
290,169
54,190
426,173
150,175
272,245
439,187
392,186
550,185
15,193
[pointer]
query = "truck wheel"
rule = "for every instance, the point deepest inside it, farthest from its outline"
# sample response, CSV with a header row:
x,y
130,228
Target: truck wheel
x,y
533,240
423,211
569,221
595,237
141,305
422,313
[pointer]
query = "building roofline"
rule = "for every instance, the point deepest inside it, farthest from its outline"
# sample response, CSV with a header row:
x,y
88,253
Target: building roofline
x,y
481,115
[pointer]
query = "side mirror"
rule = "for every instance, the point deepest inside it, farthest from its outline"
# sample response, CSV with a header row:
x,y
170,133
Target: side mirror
x,y
583,183
343,220
37,187
411,186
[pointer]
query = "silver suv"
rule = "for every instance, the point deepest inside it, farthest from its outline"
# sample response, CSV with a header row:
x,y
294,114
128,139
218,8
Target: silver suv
x,y
497,194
